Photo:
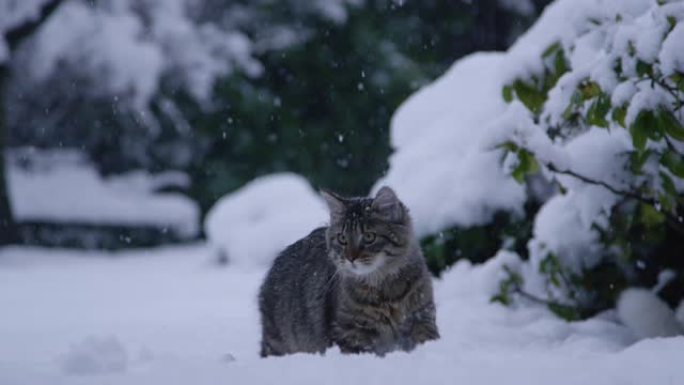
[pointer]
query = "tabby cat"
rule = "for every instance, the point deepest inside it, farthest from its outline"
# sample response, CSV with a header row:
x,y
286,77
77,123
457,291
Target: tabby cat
x,y
361,284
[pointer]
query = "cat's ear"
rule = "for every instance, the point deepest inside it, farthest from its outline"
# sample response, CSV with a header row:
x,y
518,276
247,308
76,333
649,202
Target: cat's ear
x,y
388,206
335,202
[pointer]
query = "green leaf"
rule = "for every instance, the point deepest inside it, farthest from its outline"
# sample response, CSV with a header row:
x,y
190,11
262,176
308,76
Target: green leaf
x,y
502,299
668,185
619,114
644,69
617,67
560,64
644,123
650,217
531,97
575,103
678,78
668,199
510,284
550,50
674,162
638,159
509,146
507,93
631,49
589,90
519,175
550,266
672,22
670,124
596,115
527,165
667,202
567,313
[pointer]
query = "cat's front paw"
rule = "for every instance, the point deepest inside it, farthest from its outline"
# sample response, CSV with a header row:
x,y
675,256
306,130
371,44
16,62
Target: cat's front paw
x,y
424,332
356,341
354,349
417,335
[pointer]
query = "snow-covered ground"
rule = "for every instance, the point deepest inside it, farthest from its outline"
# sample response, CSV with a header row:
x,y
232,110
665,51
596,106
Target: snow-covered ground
x,y
171,316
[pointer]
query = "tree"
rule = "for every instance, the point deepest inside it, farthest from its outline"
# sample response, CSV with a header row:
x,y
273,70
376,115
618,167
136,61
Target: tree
x,y
13,37
323,106
227,91
107,78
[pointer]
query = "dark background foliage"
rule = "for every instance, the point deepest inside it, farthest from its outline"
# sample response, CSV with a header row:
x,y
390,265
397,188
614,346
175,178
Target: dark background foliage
x,y
321,108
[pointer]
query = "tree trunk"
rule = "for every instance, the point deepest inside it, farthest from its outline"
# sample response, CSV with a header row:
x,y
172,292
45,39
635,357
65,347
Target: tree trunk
x,y
14,37
8,229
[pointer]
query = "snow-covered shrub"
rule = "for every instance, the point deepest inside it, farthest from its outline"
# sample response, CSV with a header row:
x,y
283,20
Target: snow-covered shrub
x,y
585,113
599,116
135,209
252,225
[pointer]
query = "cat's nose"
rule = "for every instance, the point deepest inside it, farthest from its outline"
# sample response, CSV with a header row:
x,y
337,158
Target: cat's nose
x,y
353,255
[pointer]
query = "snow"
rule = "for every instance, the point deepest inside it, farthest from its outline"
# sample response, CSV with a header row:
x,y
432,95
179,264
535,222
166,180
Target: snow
x,y
672,55
102,43
252,225
679,313
336,10
647,315
4,51
13,14
565,224
62,187
440,168
95,355
171,316
130,46
446,166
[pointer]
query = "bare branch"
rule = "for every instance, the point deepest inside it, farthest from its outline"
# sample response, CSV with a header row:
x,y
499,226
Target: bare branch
x,y
671,220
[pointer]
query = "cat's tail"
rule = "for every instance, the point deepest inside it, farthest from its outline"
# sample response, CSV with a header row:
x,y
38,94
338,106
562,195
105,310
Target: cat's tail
x,y
649,316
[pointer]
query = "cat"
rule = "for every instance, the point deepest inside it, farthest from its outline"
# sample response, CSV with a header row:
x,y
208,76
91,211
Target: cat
x,y
361,284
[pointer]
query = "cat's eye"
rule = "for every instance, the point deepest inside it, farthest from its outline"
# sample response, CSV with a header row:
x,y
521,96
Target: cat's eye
x,y
369,237
341,239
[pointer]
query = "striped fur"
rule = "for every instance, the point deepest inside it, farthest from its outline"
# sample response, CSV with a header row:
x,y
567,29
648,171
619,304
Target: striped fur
x,y
360,283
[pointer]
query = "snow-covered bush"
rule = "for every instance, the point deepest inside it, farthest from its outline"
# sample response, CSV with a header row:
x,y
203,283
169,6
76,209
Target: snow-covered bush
x,y
599,116
59,198
252,225
585,112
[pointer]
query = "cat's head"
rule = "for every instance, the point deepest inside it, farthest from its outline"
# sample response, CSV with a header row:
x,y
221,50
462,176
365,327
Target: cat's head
x,y
367,234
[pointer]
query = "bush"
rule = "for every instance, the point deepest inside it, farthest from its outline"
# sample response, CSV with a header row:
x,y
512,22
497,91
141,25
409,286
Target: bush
x,y
601,120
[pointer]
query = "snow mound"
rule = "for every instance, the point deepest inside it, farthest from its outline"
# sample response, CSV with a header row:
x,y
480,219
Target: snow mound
x,y
95,355
252,225
440,167
63,187
679,313
647,315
